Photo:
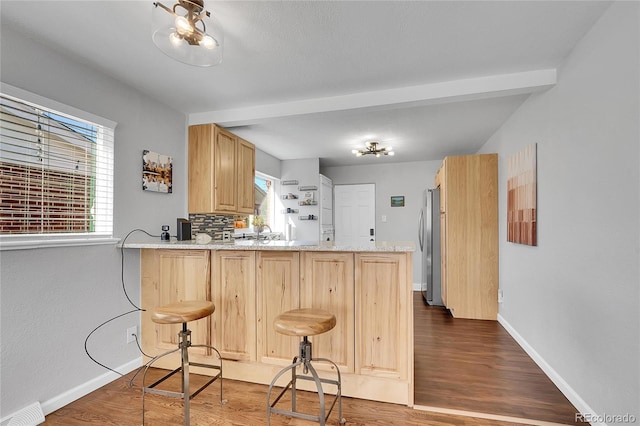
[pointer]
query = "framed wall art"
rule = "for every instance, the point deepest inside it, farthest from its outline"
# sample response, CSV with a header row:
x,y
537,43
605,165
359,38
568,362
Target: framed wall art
x,y
522,219
397,201
156,172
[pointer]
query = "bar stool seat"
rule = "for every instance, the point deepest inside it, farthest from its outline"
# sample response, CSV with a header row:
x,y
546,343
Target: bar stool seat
x,y
305,322
182,313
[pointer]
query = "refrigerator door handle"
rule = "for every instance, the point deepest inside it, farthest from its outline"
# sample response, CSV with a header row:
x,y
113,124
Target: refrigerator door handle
x,y
421,229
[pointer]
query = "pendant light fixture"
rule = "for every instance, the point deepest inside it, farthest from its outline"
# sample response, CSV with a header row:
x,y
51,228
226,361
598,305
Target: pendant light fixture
x,y
372,148
188,33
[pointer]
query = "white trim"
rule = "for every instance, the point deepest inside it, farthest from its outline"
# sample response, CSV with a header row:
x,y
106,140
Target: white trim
x,y
22,244
487,416
560,383
417,287
57,402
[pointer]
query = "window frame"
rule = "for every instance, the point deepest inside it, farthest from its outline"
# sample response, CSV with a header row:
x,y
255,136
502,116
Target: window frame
x,y
30,241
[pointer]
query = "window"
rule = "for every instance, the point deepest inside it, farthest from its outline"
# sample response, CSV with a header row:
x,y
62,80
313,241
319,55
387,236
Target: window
x,y
263,188
266,204
56,171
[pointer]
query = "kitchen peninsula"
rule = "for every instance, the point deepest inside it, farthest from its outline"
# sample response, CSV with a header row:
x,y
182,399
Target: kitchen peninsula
x,y
368,288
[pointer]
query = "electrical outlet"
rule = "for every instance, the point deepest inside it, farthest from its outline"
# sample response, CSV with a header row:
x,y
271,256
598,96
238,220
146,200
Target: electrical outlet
x,y
131,331
500,296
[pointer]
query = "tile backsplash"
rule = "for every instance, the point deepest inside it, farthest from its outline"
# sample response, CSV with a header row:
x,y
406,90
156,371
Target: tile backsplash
x,y
215,225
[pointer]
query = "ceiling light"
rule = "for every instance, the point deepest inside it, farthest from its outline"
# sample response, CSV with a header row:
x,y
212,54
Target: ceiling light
x,y
188,33
372,148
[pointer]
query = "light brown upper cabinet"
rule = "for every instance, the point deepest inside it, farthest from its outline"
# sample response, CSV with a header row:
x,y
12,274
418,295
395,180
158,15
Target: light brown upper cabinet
x,y
221,171
469,235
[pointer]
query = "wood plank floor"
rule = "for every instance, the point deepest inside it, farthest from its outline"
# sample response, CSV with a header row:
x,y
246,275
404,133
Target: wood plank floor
x,y
476,366
460,365
119,404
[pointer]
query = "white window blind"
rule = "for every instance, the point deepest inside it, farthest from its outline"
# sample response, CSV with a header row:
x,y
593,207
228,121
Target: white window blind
x,y
56,170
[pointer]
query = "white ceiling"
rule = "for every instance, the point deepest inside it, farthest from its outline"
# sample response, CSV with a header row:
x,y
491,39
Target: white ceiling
x,y
304,79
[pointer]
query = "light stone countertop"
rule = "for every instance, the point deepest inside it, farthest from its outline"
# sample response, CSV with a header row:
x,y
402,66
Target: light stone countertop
x,y
377,246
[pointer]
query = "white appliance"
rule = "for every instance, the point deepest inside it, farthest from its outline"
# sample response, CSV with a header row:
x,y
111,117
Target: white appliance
x,y
326,209
429,242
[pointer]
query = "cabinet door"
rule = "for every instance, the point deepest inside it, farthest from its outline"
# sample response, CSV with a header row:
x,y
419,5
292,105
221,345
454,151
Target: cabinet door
x,y
201,186
278,280
327,282
383,329
171,276
225,171
234,293
470,232
246,177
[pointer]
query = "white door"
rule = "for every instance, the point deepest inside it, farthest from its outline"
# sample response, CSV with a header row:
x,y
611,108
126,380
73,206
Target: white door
x,y
355,213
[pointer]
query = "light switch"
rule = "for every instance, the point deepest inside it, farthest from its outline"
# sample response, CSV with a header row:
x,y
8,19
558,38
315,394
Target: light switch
x,y
384,217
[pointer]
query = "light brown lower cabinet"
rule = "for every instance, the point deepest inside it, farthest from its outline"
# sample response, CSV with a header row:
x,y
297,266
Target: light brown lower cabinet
x,y
382,329
278,280
369,293
234,294
167,276
327,282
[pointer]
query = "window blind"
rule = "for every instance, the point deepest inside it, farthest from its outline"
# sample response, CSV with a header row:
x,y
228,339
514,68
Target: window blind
x,y
56,171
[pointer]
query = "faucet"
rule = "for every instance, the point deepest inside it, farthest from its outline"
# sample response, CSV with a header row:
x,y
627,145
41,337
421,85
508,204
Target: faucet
x,y
260,229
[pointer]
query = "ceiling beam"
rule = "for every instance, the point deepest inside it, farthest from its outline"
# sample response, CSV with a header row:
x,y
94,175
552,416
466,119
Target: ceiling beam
x,y
442,92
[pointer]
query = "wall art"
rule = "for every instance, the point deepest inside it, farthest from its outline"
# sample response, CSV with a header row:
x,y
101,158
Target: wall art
x,y
156,172
522,185
397,201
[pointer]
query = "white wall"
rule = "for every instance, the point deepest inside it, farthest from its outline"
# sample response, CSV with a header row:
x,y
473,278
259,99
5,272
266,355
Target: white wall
x,y
268,164
52,298
574,298
408,179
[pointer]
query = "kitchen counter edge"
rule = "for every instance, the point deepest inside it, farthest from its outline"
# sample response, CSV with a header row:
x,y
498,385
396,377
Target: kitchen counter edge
x,y
278,245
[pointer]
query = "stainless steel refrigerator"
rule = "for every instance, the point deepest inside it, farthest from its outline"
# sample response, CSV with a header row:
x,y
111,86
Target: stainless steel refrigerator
x,y
429,241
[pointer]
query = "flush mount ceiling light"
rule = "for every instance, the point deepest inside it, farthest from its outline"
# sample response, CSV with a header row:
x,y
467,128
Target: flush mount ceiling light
x,y
188,33
372,148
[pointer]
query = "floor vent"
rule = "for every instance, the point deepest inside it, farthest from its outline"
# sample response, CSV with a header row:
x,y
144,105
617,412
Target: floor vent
x,y
28,416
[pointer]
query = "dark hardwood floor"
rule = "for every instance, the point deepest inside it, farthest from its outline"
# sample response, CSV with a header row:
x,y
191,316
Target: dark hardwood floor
x,y
476,366
119,404
466,372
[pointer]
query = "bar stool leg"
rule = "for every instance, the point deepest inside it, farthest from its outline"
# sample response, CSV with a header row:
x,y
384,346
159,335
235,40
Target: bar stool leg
x,y
184,344
304,360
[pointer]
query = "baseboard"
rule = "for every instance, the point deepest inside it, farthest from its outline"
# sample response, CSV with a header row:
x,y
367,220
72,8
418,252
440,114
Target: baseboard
x,y
560,383
417,287
78,392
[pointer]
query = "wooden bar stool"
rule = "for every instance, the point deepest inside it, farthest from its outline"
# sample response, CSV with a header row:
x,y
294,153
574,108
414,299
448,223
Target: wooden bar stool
x,y
305,322
176,313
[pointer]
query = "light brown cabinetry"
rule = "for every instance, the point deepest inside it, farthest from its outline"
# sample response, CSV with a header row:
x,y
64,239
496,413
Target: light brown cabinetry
x,y
382,329
278,290
234,294
369,293
469,233
246,176
169,276
221,171
327,282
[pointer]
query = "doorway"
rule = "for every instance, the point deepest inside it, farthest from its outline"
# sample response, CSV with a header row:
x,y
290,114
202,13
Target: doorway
x,y
355,213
